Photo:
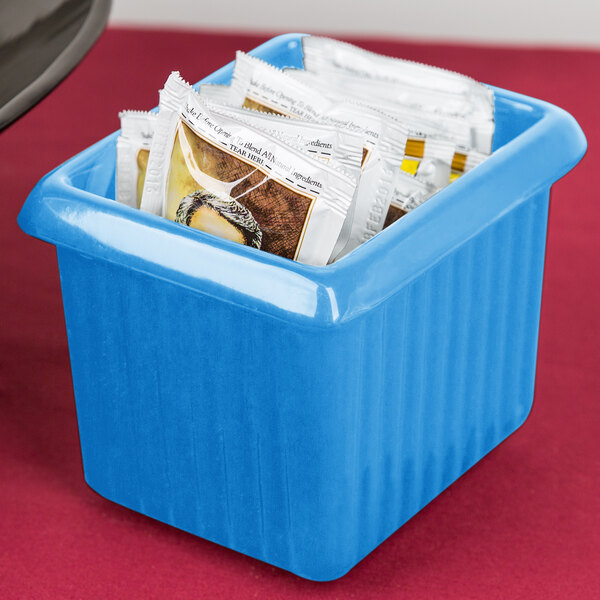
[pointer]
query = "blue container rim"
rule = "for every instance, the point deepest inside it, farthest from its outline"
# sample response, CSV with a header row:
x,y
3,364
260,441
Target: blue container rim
x,y
61,213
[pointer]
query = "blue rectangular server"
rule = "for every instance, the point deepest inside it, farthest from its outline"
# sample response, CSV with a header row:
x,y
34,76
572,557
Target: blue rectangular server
x,y
302,414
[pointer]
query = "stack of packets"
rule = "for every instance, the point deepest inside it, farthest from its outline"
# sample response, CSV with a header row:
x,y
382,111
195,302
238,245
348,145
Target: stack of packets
x,y
307,164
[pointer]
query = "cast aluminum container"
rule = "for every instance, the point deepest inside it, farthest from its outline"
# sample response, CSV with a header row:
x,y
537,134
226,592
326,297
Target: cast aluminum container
x,y
302,414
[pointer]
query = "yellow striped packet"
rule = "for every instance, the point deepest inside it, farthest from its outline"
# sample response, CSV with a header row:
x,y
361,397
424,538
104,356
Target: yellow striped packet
x,y
464,160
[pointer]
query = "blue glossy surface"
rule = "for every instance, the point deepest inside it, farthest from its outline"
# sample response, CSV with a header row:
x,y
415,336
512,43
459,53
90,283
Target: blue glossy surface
x,y
302,414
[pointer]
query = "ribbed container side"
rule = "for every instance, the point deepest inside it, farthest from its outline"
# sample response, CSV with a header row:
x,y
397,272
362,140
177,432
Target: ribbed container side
x,y
216,419
172,406
455,352
303,447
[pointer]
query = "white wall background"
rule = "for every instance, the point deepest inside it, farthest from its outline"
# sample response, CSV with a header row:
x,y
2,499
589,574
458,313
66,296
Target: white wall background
x,y
542,22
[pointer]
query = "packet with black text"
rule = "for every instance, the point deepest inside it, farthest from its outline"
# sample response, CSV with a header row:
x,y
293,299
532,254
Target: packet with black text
x,y
220,175
260,86
334,145
383,146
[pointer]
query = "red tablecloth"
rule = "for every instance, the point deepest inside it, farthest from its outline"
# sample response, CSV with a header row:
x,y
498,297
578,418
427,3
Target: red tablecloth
x,y
523,523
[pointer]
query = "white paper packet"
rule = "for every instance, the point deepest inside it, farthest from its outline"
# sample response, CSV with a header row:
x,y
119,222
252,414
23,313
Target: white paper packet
x,y
430,154
133,148
426,158
218,174
342,146
406,194
322,52
334,145
438,89
458,130
259,87
400,192
407,197
262,87
384,143
423,100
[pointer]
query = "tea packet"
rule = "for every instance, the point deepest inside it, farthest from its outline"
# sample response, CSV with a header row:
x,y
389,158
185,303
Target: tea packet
x,y
334,145
320,53
133,148
452,129
384,143
402,192
423,87
435,150
407,195
260,86
220,175
342,146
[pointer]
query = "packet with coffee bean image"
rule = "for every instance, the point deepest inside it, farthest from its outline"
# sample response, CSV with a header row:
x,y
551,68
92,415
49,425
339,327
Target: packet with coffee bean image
x,y
217,174
133,148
